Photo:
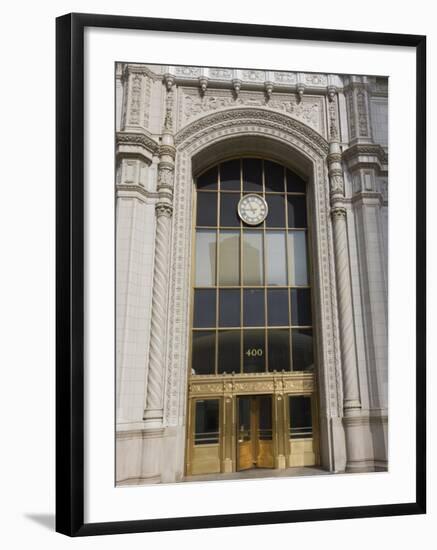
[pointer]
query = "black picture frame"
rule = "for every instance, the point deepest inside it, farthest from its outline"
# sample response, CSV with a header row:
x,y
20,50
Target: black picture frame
x,y
70,273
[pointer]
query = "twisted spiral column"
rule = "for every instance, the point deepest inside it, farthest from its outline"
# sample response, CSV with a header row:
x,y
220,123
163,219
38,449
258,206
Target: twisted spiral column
x,y
351,399
154,401
154,411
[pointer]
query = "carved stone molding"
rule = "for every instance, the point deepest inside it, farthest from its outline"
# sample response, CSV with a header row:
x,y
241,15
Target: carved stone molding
x,y
164,209
257,118
309,110
137,139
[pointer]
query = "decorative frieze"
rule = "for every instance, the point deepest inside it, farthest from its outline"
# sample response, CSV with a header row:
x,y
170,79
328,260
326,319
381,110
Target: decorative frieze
x,y
308,111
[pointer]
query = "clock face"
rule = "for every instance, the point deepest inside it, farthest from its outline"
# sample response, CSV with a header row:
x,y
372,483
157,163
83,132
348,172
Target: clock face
x,y
252,209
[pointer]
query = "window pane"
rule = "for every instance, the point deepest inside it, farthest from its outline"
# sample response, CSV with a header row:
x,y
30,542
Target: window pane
x,y
230,175
254,351
229,352
297,258
300,417
295,183
229,308
274,176
275,264
208,180
205,257
228,209
244,424
204,308
253,258
279,350
277,306
252,175
253,307
229,272
297,214
207,209
207,422
276,215
302,344
203,353
300,307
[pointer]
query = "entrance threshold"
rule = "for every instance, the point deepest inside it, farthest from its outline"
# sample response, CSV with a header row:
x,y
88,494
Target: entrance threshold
x,y
257,473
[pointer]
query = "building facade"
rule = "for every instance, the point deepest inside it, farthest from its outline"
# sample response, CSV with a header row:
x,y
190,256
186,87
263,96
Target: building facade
x,y
251,271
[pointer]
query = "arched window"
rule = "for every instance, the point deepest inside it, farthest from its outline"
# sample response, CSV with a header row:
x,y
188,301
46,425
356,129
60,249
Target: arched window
x,y
251,286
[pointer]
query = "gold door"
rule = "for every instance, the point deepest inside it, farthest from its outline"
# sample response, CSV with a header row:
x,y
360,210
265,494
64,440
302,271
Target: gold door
x,y
255,449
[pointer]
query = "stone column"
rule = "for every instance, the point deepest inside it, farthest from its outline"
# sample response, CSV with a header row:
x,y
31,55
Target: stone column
x,y
153,414
351,394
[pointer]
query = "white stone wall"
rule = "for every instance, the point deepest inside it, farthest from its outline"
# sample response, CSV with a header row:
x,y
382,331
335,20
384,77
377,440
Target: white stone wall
x,y
142,110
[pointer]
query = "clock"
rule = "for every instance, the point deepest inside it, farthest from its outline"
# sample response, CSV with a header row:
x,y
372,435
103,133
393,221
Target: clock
x,y
252,209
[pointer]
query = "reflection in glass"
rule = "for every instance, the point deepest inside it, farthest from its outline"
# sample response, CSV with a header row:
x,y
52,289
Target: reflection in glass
x,y
253,307
203,353
207,422
277,306
302,348
297,213
276,216
297,258
229,250
300,307
253,258
208,180
300,417
228,210
252,175
229,307
204,308
274,176
229,352
295,184
244,427
230,175
205,257
206,209
279,350
276,264
254,351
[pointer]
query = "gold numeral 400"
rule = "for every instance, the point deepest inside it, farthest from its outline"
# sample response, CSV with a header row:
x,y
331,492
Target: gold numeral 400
x,y
254,352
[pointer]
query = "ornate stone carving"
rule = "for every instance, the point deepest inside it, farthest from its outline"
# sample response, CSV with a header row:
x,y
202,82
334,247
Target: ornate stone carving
x,y
141,139
268,86
362,114
134,107
191,72
163,209
316,79
253,76
338,213
351,113
309,111
285,78
220,73
203,83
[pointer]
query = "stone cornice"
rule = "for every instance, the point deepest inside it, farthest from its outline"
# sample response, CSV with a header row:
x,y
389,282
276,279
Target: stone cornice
x,y
136,139
365,149
124,190
253,117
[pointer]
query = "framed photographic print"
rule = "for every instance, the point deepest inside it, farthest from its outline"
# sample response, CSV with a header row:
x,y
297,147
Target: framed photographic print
x,y
240,274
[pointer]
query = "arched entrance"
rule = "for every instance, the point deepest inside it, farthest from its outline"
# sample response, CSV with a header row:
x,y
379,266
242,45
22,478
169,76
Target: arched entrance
x,y
254,133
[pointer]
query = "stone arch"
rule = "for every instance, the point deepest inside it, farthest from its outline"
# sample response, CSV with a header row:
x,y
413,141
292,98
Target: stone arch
x,y
298,146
